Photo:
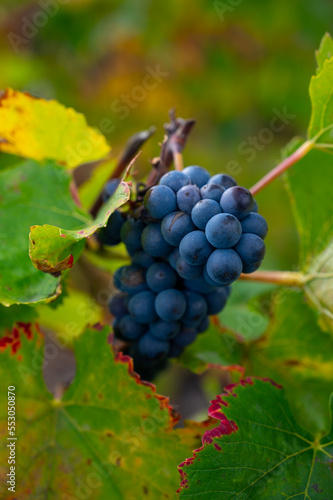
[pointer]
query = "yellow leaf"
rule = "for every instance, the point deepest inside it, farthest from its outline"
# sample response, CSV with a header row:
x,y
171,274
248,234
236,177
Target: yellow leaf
x,y
39,129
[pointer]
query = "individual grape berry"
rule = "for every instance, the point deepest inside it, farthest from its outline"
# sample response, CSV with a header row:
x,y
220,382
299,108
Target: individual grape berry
x,y
224,180
172,258
203,211
160,201
212,191
187,271
209,280
130,329
151,347
223,231
109,188
198,285
250,268
250,248
141,258
131,233
186,337
216,301
256,224
130,279
110,235
187,197
142,307
255,206
237,201
196,307
224,266
153,242
175,226
170,304
161,276
165,330
117,305
203,325
175,180
195,248
198,175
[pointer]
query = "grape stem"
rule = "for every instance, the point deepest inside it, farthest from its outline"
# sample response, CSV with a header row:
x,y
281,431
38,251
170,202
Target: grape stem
x,y
287,278
283,166
178,160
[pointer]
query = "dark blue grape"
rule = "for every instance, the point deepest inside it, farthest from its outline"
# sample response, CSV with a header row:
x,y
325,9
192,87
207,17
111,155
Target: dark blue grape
x,y
130,279
117,305
109,188
250,268
153,242
175,350
212,191
130,329
224,266
203,325
203,211
216,300
223,231
131,235
251,249
195,248
196,307
161,276
224,180
187,271
141,258
209,280
173,257
170,304
110,235
198,175
237,201
186,337
142,307
151,347
160,201
187,197
256,224
255,206
175,226
165,330
198,285
175,180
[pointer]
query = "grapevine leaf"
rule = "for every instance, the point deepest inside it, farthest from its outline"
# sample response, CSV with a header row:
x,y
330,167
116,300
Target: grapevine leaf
x,y
52,249
321,94
110,436
39,129
31,193
310,195
258,450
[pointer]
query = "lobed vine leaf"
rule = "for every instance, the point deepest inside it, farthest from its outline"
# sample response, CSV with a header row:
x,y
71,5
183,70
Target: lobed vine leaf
x,y
104,438
40,129
31,193
53,249
258,450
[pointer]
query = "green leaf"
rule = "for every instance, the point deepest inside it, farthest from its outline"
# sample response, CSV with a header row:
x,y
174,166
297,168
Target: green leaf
x,y
310,194
258,451
325,51
296,353
17,313
39,129
321,94
53,249
110,436
31,194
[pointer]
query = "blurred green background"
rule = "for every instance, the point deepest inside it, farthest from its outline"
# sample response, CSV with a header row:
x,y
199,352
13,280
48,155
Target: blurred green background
x,y
233,65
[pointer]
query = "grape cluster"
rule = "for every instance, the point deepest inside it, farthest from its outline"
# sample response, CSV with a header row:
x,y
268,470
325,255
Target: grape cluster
x,y
199,234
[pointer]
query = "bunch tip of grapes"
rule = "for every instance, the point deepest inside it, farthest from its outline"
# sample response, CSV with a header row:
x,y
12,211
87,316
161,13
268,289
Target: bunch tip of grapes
x,y
201,233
